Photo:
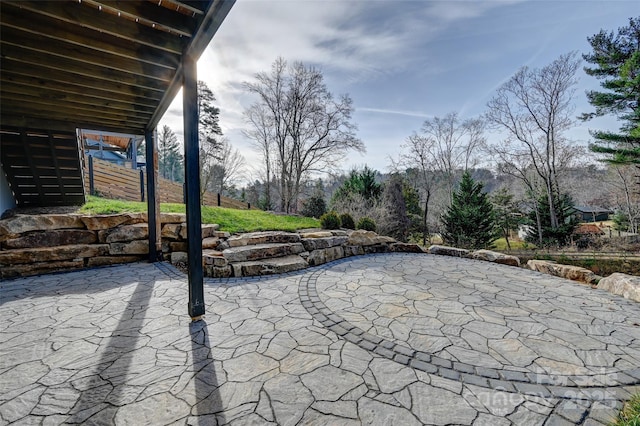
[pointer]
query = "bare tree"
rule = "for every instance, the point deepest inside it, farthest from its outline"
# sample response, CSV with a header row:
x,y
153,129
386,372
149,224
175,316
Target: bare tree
x,y
624,193
418,159
534,108
226,168
311,131
452,144
261,134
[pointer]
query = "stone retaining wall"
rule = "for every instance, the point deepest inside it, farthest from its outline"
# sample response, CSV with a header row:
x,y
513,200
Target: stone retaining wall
x,y
36,244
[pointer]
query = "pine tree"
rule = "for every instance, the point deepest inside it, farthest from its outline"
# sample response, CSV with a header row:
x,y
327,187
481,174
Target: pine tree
x,y
362,183
561,235
616,59
415,214
209,117
170,161
209,132
395,221
315,206
469,222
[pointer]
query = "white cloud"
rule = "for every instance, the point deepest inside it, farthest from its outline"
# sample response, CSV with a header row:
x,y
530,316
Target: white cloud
x,y
395,111
358,39
368,49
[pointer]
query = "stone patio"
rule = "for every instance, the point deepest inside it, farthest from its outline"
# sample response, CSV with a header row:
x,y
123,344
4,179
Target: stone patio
x,y
388,339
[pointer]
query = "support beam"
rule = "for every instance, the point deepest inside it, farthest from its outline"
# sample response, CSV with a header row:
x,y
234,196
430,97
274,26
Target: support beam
x,y
192,186
153,203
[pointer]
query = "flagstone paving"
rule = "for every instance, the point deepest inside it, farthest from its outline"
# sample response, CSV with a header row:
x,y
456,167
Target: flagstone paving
x,y
382,339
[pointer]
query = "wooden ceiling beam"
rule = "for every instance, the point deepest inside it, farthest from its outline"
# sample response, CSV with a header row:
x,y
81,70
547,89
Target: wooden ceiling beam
x,y
13,17
73,108
74,13
194,6
151,13
53,95
74,74
38,87
16,43
179,6
62,113
69,125
104,65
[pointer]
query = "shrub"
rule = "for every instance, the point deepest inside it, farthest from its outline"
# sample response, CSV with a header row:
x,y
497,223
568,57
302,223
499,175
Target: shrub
x,y
347,221
330,220
367,224
314,206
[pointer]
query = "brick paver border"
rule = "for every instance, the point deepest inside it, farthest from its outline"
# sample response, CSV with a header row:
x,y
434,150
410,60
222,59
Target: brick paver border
x,y
564,387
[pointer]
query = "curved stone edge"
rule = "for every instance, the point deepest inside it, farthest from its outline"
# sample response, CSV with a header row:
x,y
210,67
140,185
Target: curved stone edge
x,y
624,385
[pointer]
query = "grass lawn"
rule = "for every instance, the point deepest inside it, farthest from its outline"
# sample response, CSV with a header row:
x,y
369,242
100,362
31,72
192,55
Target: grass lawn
x,y
630,414
501,245
230,220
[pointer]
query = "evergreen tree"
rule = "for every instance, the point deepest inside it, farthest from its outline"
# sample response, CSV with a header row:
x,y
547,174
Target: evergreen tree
x,y
170,161
209,120
362,183
469,221
616,59
620,222
414,210
561,235
315,206
209,132
395,221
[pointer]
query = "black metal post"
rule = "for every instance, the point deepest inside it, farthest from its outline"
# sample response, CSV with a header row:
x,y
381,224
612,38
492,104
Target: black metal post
x,y
141,185
134,154
218,199
192,182
152,213
92,189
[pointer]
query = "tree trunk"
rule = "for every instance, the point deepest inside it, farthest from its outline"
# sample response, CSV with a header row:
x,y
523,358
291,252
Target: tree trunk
x,y
506,238
425,226
553,217
539,224
267,194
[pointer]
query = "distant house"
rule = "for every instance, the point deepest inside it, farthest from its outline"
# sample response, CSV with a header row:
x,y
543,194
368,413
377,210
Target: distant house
x,y
591,214
116,148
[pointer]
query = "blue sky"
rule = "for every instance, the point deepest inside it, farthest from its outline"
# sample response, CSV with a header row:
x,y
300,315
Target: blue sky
x,y
400,61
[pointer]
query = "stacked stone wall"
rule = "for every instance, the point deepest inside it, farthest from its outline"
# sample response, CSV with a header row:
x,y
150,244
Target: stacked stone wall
x,y
36,244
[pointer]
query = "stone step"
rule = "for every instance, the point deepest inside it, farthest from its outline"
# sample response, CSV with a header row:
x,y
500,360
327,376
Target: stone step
x,y
261,251
317,243
277,265
265,237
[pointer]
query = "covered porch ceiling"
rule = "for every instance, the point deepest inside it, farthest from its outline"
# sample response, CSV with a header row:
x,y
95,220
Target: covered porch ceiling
x,y
98,64
102,65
